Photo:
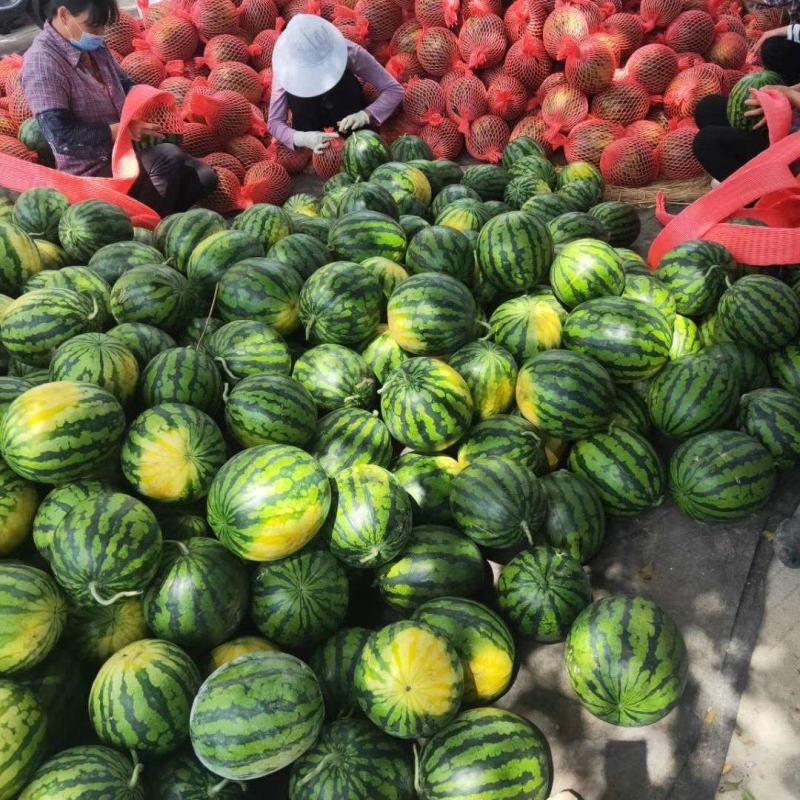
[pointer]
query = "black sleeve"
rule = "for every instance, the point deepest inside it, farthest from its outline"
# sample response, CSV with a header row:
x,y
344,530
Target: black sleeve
x,y
67,136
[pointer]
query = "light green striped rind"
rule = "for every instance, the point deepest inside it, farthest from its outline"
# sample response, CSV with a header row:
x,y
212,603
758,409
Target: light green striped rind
x,y
94,633
772,416
243,348
269,224
19,258
504,436
144,341
383,355
784,365
185,231
491,375
212,257
86,227
528,324
301,252
24,739
113,260
335,377
441,249
182,375
584,269
334,664
427,481
349,437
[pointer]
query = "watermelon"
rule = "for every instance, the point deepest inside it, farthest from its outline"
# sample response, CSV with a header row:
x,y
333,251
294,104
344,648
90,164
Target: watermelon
x,y
299,600
685,338
183,777
38,212
441,249
335,377
575,225
368,197
748,366
141,697
772,417
784,364
32,616
341,303
31,135
522,188
760,311
352,759
586,268
315,227
363,152
334,664
491,375
409,680
438,562
566,394
630,410
256,715
406,182
427,481
302,203
114,260
268,501
514,251
498,502
41,426
711,330
528,324
647,289
465,215
86,227
362,234
348,437
144,341
18,502
496,207
196,331
426,405
182,375
51,255
504,436
546,207
520,147
217,253
301,252
624,469
740,94
582,194
488,180
389,273
456,763
96,632
412,225
626,661
235,648
329,208
633,263
721,475
266,223
535,165
620,220
409,148
81,280
629,338
10,389
243,348
449,195
19,258
431,313
694,394
24,740
372,523
182,233
575,523
541,592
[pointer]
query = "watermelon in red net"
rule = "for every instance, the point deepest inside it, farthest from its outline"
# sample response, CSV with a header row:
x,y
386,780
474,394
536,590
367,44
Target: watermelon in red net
x,y
238,78
424,101
198,139
225,47
213,17
729,50
404,39
119,35
533,127
18,108
445,140
659,13
383,16
226,160
539,11
482,41
587,140
648,129
676,155
437,51
653,66
266,182
193,68
248,149
730,78
516,19
480,8
329,162
449,79
11,146
732,23
487,138
173,37
293,161
691,32
199,86
507,97
627,32
566,20
144,67
7,126
354,28
528,62
227,113
562,109
404,66
489,76
688,88
624,101
226,198
261,49
589,64
256,16
550,82
466,101
629,161
437,13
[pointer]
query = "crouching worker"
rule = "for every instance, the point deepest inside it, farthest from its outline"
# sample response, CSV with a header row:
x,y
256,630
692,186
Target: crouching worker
x,y
76,91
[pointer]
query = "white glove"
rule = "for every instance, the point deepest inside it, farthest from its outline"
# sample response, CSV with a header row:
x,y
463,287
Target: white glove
x,y
354,122
314,140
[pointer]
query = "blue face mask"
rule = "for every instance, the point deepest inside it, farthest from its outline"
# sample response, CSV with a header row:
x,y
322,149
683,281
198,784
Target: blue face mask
x,y
88,42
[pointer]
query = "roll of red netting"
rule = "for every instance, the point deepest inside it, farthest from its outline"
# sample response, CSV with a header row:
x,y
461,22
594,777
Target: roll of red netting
x,y
404,66
653,66
12,146
688,88
624,101
587,140
238,78
173,37
630,162
487,138
404,39
256,16
437,13
507,97
293,161
533,127
482,41
466,101
144,67
676,155
225,199
566,20
437,51
266,182
562,109
690,32
225,47
213,17
227,161
119,35
729,50
424,101
383,16
648,129
445,140
327,163
659,13
627,31
589,64
198,139
528,62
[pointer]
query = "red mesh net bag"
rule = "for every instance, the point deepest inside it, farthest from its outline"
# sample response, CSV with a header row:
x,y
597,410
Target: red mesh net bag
x,y
10,68
225,47
227,113
466,101
691,32
262,47
449,79
648,129
193,68
120,34
214,17
445,140
482,41
549,83
437,13
729,22
528,62
437,51
354,28
653,66
396,126
516,19
404,39
18,108
676,156
293,161
534,127
198,139
507,97
562,109
659,13
490,75
173,38
695,5
539,11
325,9
477,8
226,161
166,115
404,66
238,78
248,149
688,88
267,182
729,50
199,86
623,102
226,198
257,15
627,32
588,64
327,163
144,67
764,19
424,101
565,21
487,138
730,78
587,140
11,146
383,17
7,126
629,161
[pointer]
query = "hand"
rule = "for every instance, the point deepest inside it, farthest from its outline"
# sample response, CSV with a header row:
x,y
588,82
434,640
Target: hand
x,y
354,122
315,140
139,130
755,111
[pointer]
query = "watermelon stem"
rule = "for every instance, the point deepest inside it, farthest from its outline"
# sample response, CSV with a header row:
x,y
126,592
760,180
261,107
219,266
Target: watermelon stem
x,y
314,772
111,600
95,308
218,787
417,772
526,529
309,327
225,391
208,318
137,770
225,368
482,323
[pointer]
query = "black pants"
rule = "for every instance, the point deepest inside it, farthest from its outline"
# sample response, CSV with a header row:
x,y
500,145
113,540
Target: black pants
x,y
722,149
170,180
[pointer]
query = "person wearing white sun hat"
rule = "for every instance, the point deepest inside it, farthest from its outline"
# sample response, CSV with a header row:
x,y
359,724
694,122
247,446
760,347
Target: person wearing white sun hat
x,y
317,76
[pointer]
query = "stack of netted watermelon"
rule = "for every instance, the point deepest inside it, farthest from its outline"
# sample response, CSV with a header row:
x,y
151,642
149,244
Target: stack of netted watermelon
x,y
253,471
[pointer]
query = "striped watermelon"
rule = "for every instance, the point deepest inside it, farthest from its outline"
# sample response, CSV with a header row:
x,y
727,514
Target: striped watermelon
x,y
363,234
647,289
412,225
235,648
465,215
372,523
432,314
106,548
409,680
404,179
141,697
144,341
334,664
182,375
438,562
748,366
265,223
363,152
24,740
581,194
535,165
520,147
268,501
86,227
441,249
523,188
760,311
196,331
41,426
183,777
514,251
426,405
367,197
541,591
19,258
348,437
772,417
217,253
427,481
256,715
630,410
456,763
335,377
317,227
711,330
528,324
624,469
32,616
38,212
574,226
498,502
620,220
114,260
482,640
629,338
270,409
354,760
575,522
685,338
18,502
488,180
626,660
180,237
243,348
740,94
491,375
504,436
566,394
301,252
449,195
784,364
199,595
10,389
408,148
694,394
81,280
633,263
389,273
299,600
51,255
95,632
546,207
721,476
341,303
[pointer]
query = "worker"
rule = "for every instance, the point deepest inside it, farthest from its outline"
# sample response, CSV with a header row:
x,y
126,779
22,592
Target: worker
x,y
76,91
317,76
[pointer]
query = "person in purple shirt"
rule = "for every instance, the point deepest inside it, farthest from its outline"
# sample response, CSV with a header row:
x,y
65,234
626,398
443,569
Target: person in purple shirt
x,y
317,75
76,91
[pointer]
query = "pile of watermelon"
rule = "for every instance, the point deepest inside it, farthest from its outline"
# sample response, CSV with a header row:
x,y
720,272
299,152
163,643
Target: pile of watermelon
x,y
254,469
